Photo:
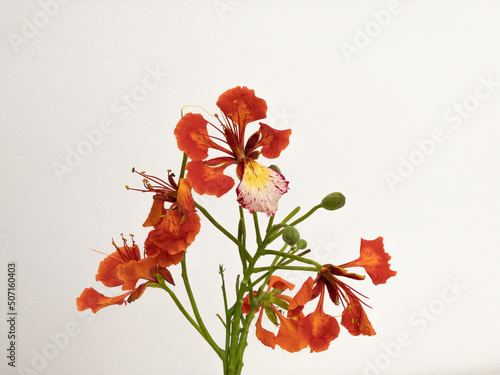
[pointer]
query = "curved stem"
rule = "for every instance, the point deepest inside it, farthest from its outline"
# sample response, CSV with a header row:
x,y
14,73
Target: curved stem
x,y
292,256
197,315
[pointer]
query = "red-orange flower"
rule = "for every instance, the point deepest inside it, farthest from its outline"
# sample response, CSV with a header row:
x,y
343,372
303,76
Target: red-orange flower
x,y
288,337
260,187
318,328
124,268
374,260
174,229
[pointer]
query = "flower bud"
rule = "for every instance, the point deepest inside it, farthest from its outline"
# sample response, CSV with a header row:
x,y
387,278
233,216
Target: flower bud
x,y
302,244
333,201
291,236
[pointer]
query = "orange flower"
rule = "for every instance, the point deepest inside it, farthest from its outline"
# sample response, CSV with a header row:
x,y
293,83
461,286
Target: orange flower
x,y
288,337
174,229
374,260
318,328
122,268
260,187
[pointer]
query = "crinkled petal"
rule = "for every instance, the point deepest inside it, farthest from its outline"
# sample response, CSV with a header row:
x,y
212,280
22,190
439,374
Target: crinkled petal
x,y
156,213
374,260
303,296
108,270
92,299
163,258
192,136
289,337
260,188
132,271
273,141
278,282
266,337
355,320
185,202
242,106
319,330
174,233
209,180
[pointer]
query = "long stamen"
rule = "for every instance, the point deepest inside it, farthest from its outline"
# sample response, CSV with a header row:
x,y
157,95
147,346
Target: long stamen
x,y
162,189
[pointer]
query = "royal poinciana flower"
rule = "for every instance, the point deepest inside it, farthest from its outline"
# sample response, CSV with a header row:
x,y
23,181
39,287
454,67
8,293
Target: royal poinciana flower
x,y
260,187
318,328
124,268
174,229
272,302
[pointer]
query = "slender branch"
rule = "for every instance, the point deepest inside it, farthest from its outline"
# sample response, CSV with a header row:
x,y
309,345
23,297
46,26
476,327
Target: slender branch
x,y
228,319
221,228
196,312
179,305
305,216
257,228
183,166
292,256
293,268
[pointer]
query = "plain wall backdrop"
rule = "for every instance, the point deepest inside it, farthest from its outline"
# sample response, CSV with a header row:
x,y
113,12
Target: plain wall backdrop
x,y
393,103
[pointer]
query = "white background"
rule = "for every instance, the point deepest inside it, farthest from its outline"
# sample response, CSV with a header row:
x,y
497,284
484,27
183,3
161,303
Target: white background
x,y
357,119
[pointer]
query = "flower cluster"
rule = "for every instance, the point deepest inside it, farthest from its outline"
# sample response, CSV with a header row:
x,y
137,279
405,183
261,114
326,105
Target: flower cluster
x,y
210,145
173,231
317,329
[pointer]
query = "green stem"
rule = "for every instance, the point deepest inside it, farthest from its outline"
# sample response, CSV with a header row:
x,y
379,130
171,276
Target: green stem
x,y
183,166
293,268
242,238
196,312
179,305
257,228
305,216
292,256
228,320
223,230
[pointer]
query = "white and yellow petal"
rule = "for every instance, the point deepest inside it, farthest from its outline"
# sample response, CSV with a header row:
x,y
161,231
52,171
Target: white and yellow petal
x,y
260,188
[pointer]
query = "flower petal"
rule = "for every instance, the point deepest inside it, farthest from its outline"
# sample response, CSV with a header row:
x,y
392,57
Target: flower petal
x,y
92,299
242,106
132,271
172,236
278,282
273,141
355,320
185,202
266,337
192,136
319,329
289,337
374,260
260,188
303,296
156,213
107,272
209,180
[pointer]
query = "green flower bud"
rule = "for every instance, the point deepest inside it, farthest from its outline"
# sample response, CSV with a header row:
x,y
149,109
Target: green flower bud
x,y
291,236
333,201
302,244
276,168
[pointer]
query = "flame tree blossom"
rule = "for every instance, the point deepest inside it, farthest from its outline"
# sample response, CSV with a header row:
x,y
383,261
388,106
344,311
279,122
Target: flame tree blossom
x,y
174,229
318,328
124,268
260,187
272,302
